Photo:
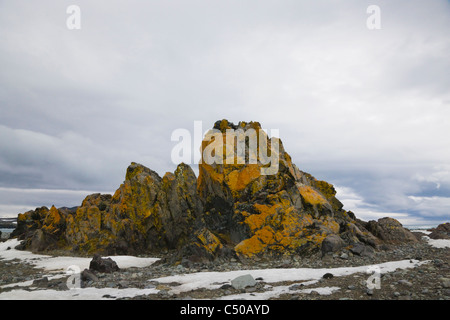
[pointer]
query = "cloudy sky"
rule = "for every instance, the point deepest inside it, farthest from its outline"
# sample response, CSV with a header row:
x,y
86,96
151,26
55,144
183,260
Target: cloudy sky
x,y
365,109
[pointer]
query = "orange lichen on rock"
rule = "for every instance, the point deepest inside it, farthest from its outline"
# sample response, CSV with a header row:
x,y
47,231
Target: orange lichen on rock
x,y
209,241
256,244
311,196
239,179
257,221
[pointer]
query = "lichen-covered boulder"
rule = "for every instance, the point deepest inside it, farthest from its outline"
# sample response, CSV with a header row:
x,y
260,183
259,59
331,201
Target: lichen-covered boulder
x,y
41,229
146,214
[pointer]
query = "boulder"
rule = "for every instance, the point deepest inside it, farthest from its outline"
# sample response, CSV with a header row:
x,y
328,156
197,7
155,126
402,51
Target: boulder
x,y
442,231
243,281
332,243
390,231
104,265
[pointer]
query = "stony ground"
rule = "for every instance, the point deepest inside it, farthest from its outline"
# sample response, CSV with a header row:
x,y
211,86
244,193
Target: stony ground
x,y
430,281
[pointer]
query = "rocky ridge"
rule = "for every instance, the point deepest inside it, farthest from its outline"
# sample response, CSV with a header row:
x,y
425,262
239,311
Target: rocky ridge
x,y
231,211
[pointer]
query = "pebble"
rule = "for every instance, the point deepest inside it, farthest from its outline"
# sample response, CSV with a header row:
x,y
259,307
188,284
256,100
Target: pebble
x,y
405,282
445,282
344,256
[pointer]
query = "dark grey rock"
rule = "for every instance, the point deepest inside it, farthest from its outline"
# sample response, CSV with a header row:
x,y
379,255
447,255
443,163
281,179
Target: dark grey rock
x,y
106,265
332,243
88,275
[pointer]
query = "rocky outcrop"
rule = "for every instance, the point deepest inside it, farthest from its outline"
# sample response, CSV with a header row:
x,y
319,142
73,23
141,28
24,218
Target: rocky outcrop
x,y
390,231
442,231
146,214
250,201
42,229
282,213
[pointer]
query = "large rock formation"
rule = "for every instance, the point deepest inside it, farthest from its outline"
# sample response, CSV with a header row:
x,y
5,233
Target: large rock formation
x,y
249,200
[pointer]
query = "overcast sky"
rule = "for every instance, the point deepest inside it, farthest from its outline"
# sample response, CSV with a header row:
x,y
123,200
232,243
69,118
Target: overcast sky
x,y
367,110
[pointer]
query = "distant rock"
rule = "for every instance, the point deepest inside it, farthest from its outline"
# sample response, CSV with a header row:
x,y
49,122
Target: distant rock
x,y
442,231
390,231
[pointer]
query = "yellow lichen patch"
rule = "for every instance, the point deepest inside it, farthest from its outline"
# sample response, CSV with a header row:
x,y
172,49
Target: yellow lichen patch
x,y
254,245
239,179
216,176
331,224
316,238
257,221
169,176
224,124
53,218
311,196
209,241
265,235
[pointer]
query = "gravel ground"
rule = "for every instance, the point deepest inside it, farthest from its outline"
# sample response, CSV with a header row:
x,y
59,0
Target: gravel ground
x,y
429,281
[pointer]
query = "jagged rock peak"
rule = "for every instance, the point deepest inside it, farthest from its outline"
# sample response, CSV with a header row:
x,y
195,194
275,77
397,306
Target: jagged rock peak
x,y
231,210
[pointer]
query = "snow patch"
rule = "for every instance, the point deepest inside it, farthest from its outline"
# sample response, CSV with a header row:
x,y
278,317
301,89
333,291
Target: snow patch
x,y
438,243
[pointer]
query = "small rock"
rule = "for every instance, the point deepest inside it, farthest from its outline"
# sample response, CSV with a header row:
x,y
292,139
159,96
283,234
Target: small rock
x,y
87,275
369,292
149,286
243,282
396,294
405,282
351,287
344,256
327,276
296,286
226,286
445,282
41,282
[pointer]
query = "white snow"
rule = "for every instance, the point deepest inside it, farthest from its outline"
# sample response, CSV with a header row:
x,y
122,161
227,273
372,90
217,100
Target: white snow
x,y
277,291
61,263
214,280
57,267
75,294
438,243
